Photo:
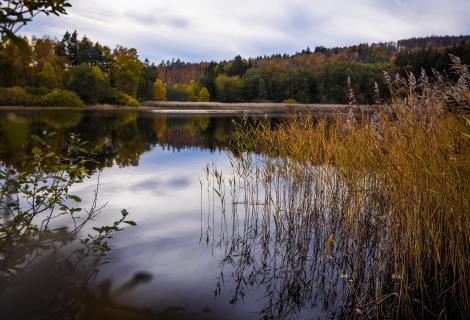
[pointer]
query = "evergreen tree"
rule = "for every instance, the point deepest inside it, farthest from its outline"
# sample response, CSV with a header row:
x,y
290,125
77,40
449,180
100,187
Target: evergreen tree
x,y
262,90
238,67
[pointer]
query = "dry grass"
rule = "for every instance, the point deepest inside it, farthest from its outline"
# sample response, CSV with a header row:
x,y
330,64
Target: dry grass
x,y
373,214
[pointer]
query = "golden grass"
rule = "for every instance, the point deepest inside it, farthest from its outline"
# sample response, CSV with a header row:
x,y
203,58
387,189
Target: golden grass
x,y
391,194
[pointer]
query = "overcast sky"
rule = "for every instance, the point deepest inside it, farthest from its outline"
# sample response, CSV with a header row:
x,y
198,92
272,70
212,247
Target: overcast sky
x,y
195,30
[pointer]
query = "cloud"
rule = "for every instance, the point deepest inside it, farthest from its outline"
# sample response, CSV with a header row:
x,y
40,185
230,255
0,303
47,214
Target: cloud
x,y
220,29
161,186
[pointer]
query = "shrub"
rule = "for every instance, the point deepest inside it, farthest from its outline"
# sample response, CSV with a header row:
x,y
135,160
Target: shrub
x,y
127,100
290,101
177,93
111,96
38,91
61,98
14,96
115,97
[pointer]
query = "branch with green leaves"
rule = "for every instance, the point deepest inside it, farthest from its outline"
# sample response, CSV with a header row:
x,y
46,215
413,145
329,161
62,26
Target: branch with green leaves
x,y
14,14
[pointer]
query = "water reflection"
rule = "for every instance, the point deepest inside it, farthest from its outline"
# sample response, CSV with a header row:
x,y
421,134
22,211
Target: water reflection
x,y
119,137
153,165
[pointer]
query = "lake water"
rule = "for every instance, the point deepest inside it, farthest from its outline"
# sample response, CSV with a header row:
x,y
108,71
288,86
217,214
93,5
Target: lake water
x,y
154,166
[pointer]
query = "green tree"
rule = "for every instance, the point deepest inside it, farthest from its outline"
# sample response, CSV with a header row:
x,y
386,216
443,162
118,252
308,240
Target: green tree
x,y
88,82
126,70
208,78
204,95
238,67
88,53
229,89
146,84
262,90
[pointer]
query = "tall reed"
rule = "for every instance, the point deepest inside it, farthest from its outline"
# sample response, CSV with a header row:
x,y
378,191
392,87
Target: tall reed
x,y
382,203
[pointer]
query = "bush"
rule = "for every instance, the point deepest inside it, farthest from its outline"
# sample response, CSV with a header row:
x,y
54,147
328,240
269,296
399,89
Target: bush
x,y
14,96
127,100
115,97
61,98
178,94
111,96
290,101
38,91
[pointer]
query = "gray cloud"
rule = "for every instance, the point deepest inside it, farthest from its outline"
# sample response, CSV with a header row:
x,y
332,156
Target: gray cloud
x,y
220,29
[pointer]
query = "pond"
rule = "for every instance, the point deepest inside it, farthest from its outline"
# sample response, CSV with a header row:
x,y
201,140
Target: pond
x,y
157,166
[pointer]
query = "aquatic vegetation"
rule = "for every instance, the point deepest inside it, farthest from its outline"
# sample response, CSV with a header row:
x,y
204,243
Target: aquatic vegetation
x,y
352,218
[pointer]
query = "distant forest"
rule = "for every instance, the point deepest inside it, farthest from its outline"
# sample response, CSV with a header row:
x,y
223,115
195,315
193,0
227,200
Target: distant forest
x,y
90,72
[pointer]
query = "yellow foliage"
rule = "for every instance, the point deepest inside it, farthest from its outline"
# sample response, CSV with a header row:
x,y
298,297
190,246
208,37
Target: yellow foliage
x,y
160,90
204,95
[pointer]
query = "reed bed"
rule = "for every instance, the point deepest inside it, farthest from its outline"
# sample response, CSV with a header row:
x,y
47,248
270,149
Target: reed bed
x,y
355,218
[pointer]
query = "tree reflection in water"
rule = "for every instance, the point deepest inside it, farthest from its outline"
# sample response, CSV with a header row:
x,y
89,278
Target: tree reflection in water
x,y
118,137
50,250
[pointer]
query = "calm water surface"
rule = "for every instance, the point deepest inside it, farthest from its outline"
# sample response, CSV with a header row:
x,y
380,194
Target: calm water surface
x,y
153,166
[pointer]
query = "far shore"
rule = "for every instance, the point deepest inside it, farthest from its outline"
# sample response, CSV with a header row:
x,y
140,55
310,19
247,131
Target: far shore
x,y
212,107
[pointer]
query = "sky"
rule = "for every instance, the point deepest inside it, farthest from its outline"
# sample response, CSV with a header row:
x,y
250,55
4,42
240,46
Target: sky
x,y
205,30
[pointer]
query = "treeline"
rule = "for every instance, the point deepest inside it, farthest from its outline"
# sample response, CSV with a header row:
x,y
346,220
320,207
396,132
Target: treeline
x,y
318,76
434,41
75,71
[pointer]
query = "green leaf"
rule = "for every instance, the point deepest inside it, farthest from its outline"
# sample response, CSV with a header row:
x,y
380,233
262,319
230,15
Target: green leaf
x,y
132,223
37,138
75,198
50,154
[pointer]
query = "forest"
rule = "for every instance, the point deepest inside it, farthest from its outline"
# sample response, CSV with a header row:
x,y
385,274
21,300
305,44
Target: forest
x,y
76,71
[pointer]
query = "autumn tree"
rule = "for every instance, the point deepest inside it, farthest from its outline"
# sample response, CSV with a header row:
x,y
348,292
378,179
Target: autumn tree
x,y
204,95
193,88
126,70
47,78
15,65
160,90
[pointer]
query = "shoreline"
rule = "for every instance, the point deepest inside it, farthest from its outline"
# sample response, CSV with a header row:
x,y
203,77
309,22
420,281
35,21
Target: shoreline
x,y
210,107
